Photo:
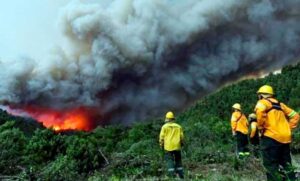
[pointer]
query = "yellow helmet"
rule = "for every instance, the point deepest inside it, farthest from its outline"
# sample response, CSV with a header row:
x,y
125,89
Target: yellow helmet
x,y
252,115
170,115
237,106
266,89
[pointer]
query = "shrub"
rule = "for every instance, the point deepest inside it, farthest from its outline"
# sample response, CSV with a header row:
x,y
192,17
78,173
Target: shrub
x,y
12,145
61,169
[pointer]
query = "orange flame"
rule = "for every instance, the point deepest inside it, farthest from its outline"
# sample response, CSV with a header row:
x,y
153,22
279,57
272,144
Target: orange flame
x,y
72,119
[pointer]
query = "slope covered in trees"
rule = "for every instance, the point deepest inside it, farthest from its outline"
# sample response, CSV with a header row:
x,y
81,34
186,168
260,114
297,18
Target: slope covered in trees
x,y
123,152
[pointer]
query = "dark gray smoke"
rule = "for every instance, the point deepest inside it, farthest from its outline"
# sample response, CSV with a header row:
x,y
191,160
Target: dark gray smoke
x,y
135,59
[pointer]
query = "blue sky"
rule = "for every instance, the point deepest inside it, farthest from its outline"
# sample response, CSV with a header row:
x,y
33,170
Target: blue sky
x,y
29,28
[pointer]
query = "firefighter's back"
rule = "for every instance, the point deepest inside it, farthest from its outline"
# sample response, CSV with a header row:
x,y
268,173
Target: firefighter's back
x,y
172,136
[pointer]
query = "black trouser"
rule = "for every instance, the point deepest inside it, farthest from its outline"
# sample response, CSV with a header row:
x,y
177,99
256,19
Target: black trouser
x,y
173,159
255,145
255,140
276,154
242,142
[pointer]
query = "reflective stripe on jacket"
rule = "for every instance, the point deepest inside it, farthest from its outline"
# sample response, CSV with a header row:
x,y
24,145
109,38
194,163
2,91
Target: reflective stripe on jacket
x,y
272,119
171,136
239,122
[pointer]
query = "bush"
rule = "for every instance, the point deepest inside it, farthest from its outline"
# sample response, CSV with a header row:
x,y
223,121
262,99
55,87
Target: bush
x,y
61,169
43,147
12,145
85,150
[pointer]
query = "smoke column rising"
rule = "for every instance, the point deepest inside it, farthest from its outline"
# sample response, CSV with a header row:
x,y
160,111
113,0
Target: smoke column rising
x,y
135,59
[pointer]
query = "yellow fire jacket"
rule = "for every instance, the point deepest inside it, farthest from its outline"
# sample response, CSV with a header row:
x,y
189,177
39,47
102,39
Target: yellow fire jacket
x,y
239,122
171,136
276,119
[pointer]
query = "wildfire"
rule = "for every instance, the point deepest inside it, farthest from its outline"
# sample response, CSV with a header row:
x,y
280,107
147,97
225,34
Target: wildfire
x,y
72,119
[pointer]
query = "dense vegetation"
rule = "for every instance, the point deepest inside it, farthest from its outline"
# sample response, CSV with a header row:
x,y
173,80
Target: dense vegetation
x,y
29,152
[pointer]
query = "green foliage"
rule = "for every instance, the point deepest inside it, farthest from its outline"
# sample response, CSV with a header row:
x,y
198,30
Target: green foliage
x,y
109,137
12,143
26,125
7,125
43,147
86,151
61,169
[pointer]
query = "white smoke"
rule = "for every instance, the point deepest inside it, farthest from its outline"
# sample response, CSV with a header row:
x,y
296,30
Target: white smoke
x,y
134,59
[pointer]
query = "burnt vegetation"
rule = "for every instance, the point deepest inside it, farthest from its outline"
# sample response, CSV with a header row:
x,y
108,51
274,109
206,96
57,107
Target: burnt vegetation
x,y
31,152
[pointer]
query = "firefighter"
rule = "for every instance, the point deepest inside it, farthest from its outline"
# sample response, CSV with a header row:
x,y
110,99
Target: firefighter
x,y
239,125
254,134
171,140
277,121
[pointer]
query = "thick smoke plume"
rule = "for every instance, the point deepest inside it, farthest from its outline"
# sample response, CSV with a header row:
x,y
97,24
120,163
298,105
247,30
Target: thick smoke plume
x,y
135,59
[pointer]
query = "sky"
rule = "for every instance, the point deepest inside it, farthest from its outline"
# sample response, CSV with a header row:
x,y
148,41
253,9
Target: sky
x,y
29,28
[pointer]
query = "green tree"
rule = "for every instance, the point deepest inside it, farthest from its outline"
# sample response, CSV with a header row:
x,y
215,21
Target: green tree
x,y
12,145
43,147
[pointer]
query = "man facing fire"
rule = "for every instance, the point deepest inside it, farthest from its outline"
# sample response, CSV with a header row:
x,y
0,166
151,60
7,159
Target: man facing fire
x,y
276,120
171,140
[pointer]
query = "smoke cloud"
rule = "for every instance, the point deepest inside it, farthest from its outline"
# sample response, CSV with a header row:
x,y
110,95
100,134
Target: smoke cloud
x,y
135,59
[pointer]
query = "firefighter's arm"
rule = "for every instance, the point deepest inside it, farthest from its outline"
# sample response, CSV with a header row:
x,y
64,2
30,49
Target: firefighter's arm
x,y
260,114
294,119
292,115
162,137
233,124
253,129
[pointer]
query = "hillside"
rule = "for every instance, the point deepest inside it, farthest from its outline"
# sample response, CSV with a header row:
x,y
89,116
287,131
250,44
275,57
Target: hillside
x,y
121,152
27,125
